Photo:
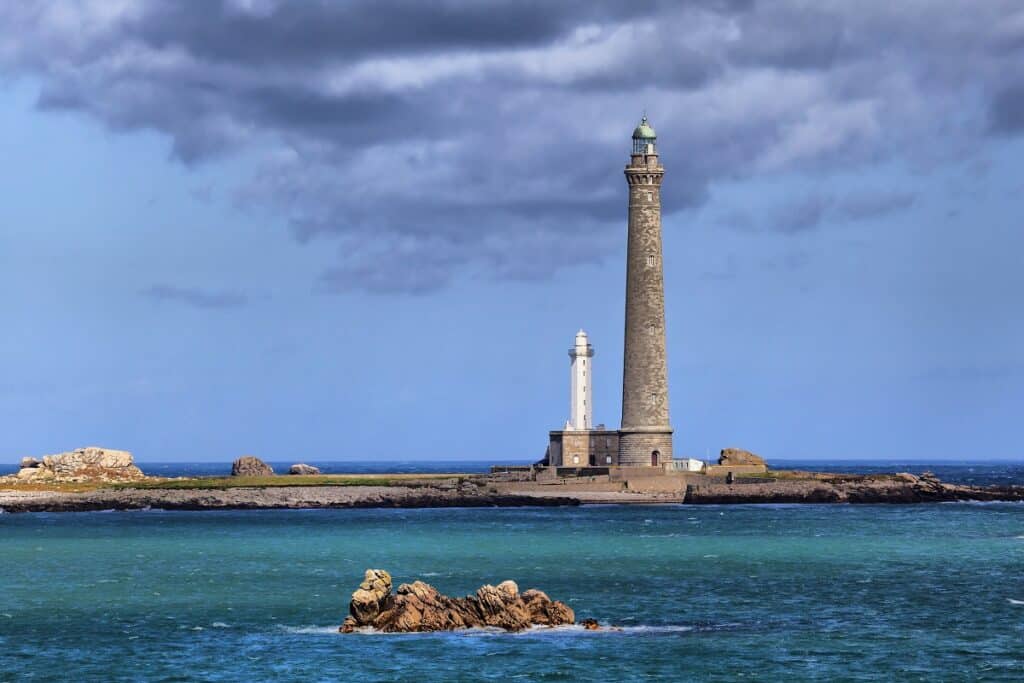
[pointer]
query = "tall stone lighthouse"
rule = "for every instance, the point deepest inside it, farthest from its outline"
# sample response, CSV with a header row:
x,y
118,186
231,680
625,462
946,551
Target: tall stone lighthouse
x,y
645,436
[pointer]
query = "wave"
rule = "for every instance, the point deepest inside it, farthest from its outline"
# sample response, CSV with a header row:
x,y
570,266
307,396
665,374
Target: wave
x,y
982,502
543,631
1015,602
220,624
310,630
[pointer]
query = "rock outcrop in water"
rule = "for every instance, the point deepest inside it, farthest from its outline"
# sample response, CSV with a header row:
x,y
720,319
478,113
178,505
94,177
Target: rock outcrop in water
x,y
251,466
302,468
418,606
91,464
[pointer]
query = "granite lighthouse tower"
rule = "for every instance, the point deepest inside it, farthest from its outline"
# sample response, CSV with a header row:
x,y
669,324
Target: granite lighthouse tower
x,y
645,436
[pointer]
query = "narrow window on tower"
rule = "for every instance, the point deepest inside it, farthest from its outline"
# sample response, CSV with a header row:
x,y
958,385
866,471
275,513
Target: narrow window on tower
x,y
652,328
650,260
650,196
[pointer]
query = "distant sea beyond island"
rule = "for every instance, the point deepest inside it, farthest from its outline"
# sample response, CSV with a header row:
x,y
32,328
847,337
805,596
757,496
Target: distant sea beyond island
x,y
978,473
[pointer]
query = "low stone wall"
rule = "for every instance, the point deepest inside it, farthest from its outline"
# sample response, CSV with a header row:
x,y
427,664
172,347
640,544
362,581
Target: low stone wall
x,y
723,470
581,471
624,473
668,484
568,485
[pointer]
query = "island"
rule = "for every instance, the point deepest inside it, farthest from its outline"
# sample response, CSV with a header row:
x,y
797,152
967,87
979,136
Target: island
x,y
103,479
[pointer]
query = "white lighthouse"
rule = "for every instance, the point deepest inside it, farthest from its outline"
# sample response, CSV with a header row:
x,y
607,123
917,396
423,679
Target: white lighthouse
x,y
581,405
580,443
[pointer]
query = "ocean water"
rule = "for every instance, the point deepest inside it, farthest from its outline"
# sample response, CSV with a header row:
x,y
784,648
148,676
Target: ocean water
x,y
709,593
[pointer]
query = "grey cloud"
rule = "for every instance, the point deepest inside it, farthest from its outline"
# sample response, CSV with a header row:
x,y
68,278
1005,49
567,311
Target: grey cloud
x,y
801,216
197,298
817,210
1007,110
865,206
323,30
459,139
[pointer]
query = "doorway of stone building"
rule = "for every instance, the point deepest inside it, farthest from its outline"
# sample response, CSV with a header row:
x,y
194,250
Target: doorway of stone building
x,y
655,457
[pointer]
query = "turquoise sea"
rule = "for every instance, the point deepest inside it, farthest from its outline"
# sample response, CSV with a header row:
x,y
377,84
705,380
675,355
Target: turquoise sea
x,y
718,593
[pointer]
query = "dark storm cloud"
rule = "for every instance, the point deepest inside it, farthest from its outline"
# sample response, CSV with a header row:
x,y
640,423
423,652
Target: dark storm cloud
x,y
197,298
300,32
469,138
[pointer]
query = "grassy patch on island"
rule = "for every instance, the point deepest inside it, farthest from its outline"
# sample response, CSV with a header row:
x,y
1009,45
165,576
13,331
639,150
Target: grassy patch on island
x,y
775,474
259,482
408,480
228,482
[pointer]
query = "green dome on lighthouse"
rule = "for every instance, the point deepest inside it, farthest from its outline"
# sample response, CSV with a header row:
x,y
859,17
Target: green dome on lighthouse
x,y
644,131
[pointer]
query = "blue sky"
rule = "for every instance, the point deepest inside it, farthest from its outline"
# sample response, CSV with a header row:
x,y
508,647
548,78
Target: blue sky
x,y
219,237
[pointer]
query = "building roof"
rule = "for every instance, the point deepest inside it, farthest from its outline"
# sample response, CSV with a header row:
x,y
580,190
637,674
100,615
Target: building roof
x,y
644,131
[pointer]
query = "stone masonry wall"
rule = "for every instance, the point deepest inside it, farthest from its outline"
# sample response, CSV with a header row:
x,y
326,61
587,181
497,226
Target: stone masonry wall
x,y
635,448
645,374
602,445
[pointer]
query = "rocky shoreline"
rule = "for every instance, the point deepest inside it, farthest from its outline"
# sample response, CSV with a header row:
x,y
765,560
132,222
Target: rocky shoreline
x,y
851,489
270,498
902,488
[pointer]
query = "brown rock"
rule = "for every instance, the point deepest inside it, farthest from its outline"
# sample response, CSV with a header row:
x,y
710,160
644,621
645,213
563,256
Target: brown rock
x,y
738,456
590,625
250,466
418,606
371,596
82,465
545,611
